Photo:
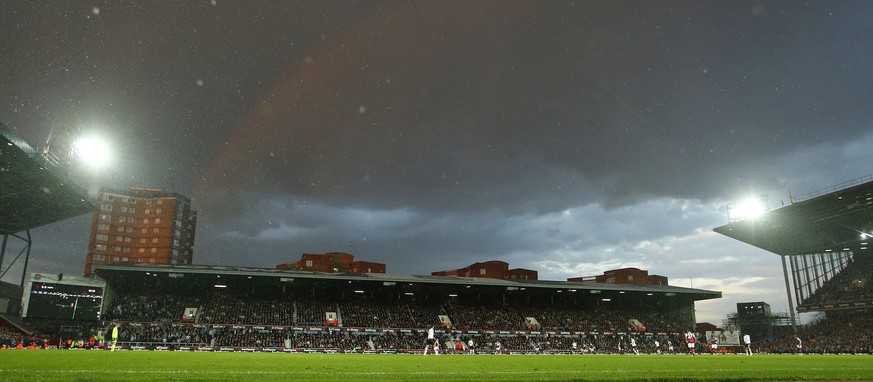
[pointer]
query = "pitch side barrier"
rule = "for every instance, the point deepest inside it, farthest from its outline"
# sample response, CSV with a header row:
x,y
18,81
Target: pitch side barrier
x,y
244,349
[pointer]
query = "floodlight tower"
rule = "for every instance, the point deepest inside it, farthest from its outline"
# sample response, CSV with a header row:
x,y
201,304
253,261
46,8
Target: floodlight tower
x,y
68,146
749,208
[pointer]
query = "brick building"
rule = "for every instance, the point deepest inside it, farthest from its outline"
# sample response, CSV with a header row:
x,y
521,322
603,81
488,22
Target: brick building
x,y
624,276
333,262
493,269
141,225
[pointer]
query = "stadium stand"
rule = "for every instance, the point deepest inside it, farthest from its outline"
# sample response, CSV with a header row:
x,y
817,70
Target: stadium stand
x,y
849,285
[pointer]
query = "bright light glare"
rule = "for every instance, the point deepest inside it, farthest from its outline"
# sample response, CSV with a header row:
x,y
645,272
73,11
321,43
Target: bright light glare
x,y
92,151
748,209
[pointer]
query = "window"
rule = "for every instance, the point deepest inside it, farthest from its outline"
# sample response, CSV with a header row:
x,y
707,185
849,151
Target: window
x,y
132,210
104,217
98,258
145,230
123,209
156,230
128,230
146,220
130,220
482,271
157,220
148,211
126,250
103,227
100,247
158,211
109,197
122,219
119,238
308,263
124,258
101,237
127,239
142,250
106,207
120,228
142,240
116,248
154,250
154,240
630,277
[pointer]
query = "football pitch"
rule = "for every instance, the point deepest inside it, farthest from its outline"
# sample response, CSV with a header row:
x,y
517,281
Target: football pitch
x,y
66,365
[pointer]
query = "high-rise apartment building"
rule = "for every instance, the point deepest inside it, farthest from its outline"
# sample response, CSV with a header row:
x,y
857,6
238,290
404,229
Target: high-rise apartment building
x,y
141,225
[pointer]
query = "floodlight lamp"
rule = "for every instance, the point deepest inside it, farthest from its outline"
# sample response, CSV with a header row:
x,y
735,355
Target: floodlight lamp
x,y
91,151
748,209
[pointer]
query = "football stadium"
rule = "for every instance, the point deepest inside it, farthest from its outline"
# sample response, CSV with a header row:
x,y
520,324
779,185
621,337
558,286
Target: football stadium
x,y
136,321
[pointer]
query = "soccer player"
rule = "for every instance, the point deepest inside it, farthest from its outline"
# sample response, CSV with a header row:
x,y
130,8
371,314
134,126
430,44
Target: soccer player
x,y
747,339
633,343
470,346
713,345
114,336
430,341
692,340
799,345
657,347
497,347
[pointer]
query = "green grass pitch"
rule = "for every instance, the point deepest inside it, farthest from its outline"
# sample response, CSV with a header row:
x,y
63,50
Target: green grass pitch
x,y
67,365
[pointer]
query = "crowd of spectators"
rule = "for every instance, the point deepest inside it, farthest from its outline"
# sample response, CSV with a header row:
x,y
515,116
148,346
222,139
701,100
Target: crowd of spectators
x,y
850,284
149,307
165,333
851,334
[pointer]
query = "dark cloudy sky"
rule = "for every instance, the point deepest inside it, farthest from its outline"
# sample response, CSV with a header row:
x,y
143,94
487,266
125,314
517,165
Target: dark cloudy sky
x,y
569,137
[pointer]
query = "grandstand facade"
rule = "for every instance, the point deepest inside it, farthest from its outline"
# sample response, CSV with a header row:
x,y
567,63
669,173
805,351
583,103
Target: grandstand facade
x,y
34,191
823,240
214,308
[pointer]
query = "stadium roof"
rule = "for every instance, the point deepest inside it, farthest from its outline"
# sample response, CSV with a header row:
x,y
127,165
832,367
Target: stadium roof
x,y
193,274
839,220
33,193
